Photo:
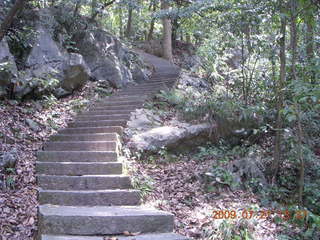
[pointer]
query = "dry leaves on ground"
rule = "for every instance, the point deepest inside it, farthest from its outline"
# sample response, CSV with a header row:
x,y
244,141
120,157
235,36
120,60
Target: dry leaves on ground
x,y
179,188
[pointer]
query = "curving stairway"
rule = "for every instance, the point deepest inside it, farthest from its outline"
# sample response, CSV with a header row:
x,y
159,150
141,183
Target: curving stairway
x,y
83,192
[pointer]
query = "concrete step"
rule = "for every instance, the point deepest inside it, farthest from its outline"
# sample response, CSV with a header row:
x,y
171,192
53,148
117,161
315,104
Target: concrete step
x,y
103,117
86,137
101,221
137,92
99,123
90,182
77,156
118,103
105,112
122,107
154,236
90,198
89,130
145,87
82,146
123,98
79,168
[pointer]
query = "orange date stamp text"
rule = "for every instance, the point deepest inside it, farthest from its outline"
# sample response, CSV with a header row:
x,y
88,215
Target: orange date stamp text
x,y
286,215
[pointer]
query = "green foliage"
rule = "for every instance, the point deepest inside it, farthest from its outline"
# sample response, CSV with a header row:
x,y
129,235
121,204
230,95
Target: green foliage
x,y
79,105
231,230
49,101
144,184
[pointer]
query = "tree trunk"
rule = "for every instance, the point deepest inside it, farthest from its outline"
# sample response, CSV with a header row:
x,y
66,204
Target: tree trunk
x,y
167,33
280,96
76,9
129,22
10,17
153,21
94,6
175,27
300,156
120,23
95,10
293,38
310,47
188,38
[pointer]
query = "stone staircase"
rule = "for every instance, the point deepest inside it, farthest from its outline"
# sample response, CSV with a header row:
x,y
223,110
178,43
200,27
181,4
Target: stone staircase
x,y
83,193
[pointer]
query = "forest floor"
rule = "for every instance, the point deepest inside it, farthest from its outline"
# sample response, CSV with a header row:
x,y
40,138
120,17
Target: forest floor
x,y
178,187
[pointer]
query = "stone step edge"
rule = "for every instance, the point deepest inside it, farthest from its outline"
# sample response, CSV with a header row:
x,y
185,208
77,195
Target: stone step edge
x,y
154,236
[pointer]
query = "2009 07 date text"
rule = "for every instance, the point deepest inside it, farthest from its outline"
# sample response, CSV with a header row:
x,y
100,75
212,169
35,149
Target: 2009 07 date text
x,y
261,214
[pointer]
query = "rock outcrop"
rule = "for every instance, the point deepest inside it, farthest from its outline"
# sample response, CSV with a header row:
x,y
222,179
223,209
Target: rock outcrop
x,y
49,67
8,68
105,57
52,66
146,132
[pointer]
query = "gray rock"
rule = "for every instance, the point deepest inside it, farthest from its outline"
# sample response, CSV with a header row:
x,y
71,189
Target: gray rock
x,y
138,75
180,138
8,159
105,56
60,92
153,47
76,73
2,183
197,83
45,51
51,69
33,125
8,68
142,120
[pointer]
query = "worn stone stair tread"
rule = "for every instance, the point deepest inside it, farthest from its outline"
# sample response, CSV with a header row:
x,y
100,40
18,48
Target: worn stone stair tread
x,y
105,112
79,168
122,197
123,98
119,102
100,220
77,156
81,146
154,236
103,117
86,137
99,123
120,107
83,182
86,130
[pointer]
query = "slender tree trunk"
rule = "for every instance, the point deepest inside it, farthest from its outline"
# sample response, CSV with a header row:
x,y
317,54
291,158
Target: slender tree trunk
x,y
95,10
188,38
310,47
175,27
10,17
129,22
76,9
167,33
121,23
280,96
153,21
300,156
293,38
94,6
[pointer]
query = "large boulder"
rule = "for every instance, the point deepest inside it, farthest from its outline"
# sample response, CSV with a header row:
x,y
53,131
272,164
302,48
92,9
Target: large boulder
x,y
105,56
8,68
153,47
146,132
50,68
76,73
171,137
